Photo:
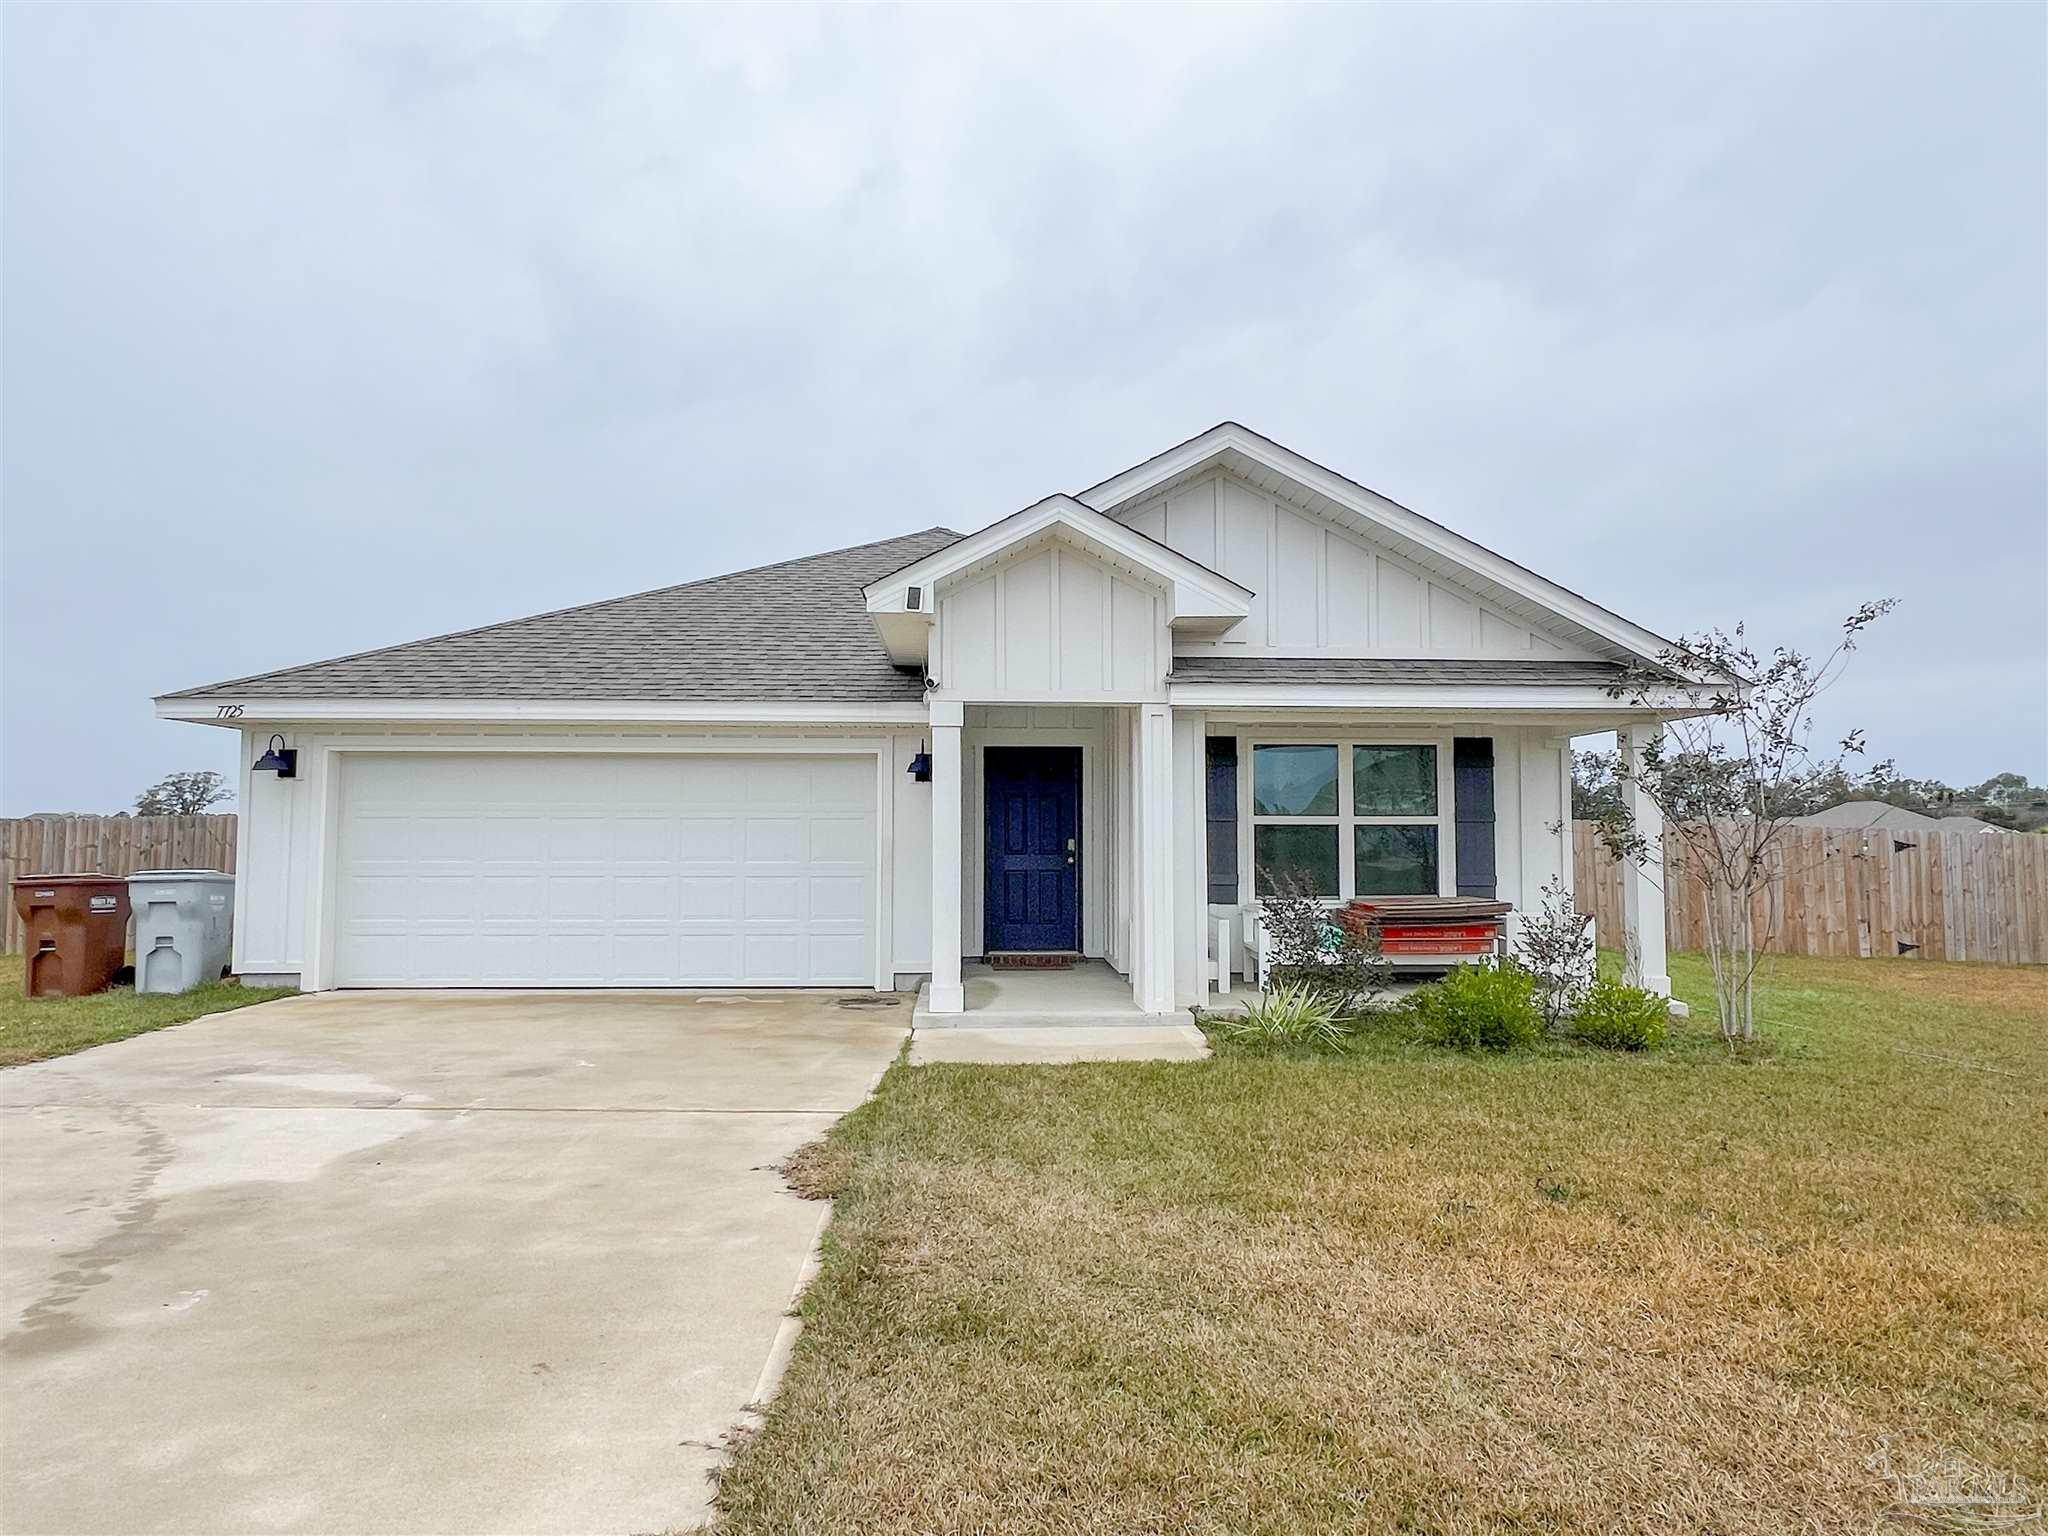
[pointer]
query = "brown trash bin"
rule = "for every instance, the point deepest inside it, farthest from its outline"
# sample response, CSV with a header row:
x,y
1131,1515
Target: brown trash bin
x,y
76,932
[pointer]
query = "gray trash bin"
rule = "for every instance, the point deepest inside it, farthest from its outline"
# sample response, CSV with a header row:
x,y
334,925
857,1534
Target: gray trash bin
x,y
181,927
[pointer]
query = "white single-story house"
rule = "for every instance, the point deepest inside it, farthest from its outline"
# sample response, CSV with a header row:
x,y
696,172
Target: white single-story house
x,y
1097,725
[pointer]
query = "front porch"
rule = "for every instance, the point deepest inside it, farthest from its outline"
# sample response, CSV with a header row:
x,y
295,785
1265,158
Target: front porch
x,y
1128,745
1135,838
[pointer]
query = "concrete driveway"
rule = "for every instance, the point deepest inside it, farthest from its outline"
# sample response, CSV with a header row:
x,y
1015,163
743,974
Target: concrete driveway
x,y
407,1262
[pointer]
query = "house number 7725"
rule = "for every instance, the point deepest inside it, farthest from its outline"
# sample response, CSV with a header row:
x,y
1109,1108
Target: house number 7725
x,y
227,712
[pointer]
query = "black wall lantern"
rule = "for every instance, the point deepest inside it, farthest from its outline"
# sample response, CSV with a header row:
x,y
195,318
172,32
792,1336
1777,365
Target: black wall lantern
x,y
279,759
921,767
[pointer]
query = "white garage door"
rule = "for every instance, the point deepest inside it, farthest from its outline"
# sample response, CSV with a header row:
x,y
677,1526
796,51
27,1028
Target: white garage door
x,y
470,870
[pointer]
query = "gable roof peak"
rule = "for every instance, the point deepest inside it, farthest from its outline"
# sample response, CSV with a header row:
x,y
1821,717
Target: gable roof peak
x,y
1198,585
1407,533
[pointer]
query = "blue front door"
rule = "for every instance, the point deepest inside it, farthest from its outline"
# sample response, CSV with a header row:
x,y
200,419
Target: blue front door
x,y
1032,882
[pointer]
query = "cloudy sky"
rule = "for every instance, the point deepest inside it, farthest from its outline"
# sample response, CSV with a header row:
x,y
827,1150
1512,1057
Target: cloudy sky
x,y
330,328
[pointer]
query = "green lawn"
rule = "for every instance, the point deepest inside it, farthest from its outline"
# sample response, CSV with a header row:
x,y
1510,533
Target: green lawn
x,y
1410,1291
33,1028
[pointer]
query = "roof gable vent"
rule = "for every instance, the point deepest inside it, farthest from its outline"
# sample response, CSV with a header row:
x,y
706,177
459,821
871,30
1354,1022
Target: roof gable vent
x,y
913,599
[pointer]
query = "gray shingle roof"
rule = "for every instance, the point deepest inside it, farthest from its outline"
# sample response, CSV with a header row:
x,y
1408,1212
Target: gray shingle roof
x,y
1434,671
796,630
1876,814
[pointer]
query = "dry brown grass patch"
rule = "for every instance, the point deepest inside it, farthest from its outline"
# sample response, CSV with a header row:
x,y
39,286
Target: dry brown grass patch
x,y
818,1170
1403,1293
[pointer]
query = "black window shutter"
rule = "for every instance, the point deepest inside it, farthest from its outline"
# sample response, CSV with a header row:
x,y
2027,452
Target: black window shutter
x,y
1222,780
1472,800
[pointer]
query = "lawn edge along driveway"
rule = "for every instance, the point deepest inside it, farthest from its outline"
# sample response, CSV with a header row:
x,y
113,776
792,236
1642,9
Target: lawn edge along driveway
x,y
37,1028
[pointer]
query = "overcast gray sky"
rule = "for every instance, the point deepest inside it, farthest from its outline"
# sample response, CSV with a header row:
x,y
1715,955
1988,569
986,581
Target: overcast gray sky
x,y
330,328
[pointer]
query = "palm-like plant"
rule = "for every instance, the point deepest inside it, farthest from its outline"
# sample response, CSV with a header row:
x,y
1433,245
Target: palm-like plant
x,y
1292,1016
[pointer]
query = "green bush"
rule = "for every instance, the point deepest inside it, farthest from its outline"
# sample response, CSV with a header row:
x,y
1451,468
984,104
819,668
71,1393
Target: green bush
x,y
1618,1017
1479,1008
1293,1016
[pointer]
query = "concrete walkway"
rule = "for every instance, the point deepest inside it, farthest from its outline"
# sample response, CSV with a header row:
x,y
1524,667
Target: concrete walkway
x,y
1089,993
1084,1012
1043,1044
407,1263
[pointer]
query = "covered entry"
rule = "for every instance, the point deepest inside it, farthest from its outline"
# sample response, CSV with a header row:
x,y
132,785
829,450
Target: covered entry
x,y
1031,880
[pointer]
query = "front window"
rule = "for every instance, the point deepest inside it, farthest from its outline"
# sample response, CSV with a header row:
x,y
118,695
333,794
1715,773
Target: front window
x,y
1343,819
1294,781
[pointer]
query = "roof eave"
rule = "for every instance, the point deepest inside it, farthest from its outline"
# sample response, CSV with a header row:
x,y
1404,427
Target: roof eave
x,y
1583,701
240,712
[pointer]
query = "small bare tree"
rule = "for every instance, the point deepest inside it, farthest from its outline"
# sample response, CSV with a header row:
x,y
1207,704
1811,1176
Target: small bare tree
x,y
1728,781
1555,945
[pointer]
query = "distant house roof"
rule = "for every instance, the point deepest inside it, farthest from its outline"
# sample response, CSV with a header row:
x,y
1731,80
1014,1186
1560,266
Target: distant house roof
x,y
1435,671
1876,814
796,630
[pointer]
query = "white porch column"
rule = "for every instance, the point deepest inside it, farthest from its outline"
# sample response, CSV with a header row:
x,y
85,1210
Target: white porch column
x,y
1191,971
946,996
1152,967
1642,887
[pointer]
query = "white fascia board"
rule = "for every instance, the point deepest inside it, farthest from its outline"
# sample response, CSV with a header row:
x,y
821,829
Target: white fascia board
x,y
256,711
1132,483
1198,593
1677,704
1379,512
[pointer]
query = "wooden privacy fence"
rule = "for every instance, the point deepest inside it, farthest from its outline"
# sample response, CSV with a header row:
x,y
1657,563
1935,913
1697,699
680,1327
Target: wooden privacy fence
x,y
106,845
1838,891
1844,891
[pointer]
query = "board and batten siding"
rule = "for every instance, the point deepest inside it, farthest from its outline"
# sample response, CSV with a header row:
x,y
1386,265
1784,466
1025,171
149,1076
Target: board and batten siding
x,y
1322,589
1532,807
1052,624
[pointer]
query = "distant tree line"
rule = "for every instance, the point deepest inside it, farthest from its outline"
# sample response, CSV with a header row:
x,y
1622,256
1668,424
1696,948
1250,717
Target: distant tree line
x,y
2003,800
190,793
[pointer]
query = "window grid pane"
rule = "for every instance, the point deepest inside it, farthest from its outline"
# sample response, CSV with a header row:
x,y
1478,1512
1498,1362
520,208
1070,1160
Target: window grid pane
x,y
1393,781
1394,860
1294,781
1287,857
